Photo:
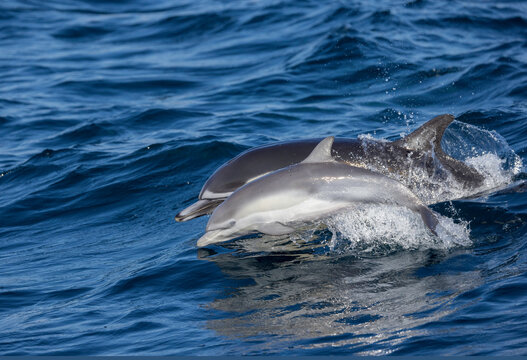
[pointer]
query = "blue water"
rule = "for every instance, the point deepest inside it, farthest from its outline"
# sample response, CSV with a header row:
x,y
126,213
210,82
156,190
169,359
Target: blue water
x,y
114,113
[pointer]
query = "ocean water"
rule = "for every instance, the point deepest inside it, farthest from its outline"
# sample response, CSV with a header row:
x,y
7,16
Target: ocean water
x,y
114,113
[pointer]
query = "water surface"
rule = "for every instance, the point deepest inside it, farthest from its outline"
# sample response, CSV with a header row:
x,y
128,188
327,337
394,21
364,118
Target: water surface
x,y
114,113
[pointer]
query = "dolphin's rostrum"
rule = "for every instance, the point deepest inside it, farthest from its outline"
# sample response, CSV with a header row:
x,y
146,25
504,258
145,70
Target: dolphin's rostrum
x,y
421,150
280,202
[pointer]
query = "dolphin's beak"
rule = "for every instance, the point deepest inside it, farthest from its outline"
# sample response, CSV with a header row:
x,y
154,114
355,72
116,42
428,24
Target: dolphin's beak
x,y
199,208
212,237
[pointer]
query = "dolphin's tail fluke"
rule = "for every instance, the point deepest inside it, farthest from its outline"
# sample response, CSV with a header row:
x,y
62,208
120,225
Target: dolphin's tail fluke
x,y
427,138
199,208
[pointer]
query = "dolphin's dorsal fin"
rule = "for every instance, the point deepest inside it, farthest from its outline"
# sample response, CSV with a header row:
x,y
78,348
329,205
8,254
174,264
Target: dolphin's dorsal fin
x,y
428,135
322,152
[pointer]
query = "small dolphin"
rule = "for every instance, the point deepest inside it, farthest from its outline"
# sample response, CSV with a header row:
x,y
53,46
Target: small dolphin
x,y
277,203
421,150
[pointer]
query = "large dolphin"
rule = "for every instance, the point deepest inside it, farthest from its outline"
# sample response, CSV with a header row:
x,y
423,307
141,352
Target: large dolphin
x,y
419,151
280,202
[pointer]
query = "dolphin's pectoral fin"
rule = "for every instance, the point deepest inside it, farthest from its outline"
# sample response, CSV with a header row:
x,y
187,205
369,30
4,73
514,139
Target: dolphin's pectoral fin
x,y
427,136
429,218
322,152
275,228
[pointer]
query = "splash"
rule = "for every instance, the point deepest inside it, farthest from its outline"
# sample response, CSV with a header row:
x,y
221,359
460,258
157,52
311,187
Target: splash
x,y
493,169
380,229
486,151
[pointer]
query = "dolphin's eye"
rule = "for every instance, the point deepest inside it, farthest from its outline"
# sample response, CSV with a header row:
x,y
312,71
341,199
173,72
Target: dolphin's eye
x,y
232,223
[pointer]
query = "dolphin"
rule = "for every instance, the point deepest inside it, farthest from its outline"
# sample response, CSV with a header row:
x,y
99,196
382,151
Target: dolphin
x,y
419,151
279,202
